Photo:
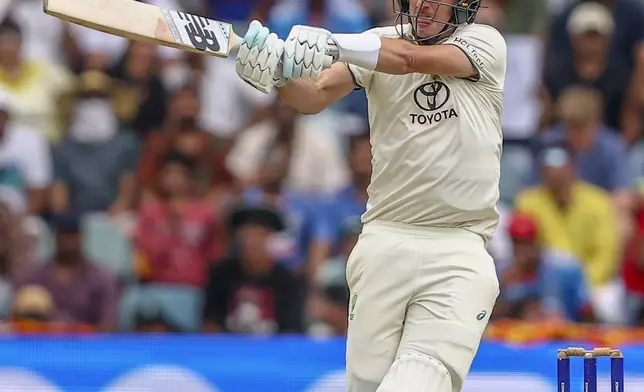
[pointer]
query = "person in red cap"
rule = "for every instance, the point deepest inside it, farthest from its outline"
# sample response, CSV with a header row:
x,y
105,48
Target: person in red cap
x,y
539,283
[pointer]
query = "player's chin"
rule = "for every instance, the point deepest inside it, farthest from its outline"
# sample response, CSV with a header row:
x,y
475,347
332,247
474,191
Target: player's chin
x,y
427,30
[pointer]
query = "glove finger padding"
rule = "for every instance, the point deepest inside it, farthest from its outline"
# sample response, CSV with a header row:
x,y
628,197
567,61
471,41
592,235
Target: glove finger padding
x,y
256,34
258,65
305,54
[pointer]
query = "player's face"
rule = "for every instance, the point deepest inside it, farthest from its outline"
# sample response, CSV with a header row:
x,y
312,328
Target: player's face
x,y
432,15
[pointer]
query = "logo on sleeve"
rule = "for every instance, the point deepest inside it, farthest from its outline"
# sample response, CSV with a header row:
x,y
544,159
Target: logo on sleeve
x,y
432,97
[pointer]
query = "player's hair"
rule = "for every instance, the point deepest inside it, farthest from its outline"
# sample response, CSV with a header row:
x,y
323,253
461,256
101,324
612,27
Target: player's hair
x,y
463,13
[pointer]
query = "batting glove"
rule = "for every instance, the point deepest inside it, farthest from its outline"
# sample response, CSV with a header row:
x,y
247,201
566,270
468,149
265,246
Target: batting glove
x,y
259,58
305,55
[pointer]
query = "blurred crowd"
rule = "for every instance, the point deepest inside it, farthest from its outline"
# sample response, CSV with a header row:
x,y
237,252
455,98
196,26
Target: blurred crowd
x,y
144,188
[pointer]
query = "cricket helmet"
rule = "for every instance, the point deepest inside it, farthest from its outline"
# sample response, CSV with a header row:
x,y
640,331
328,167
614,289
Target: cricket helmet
x,y
463,13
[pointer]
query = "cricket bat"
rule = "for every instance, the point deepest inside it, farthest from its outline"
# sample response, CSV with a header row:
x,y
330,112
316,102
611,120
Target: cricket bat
x,y
144,22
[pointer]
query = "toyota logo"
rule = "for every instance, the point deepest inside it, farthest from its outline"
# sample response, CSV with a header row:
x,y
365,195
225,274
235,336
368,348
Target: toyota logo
x,y
431,96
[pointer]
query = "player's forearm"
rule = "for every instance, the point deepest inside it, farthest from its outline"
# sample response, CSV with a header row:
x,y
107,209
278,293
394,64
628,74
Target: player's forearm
x,y
312,96
303,95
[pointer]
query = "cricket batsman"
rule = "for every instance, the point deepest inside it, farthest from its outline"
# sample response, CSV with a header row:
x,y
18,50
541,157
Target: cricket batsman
x,y
423,285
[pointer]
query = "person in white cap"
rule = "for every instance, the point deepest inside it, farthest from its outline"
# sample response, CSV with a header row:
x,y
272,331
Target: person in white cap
x,y
591,28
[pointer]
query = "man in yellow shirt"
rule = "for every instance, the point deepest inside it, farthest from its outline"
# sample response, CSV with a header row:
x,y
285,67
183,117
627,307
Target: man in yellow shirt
x,y
574,216
35,85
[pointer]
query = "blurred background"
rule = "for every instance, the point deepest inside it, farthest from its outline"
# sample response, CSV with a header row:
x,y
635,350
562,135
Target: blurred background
x,y
144,189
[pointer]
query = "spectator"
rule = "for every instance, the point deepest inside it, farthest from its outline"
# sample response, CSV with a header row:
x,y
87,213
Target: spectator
x,y
627,38
308,238
182,133
175,231
601,157
576,218
591,28
25,161
35,86
44,37
252,293
94,164
316,165
351,202
556,280
329,300
139,69
83,292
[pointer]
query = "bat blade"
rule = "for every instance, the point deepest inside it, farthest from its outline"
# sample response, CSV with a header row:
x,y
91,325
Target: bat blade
x,y
144,22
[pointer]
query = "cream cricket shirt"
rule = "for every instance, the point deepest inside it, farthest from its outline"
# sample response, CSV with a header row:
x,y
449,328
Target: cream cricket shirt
x,y
436,141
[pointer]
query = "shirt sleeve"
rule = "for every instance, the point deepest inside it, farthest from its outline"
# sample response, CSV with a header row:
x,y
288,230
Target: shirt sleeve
x,y
487,50
361,76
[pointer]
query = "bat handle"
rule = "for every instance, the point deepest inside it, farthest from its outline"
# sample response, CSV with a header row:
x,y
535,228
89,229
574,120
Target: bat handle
x,y
234,42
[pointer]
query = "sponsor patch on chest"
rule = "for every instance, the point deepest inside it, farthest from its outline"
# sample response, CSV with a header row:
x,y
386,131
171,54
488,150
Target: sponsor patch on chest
x,y
433,99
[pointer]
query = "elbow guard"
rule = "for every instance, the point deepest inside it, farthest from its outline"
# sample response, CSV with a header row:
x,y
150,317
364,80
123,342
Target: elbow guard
x,y
362,49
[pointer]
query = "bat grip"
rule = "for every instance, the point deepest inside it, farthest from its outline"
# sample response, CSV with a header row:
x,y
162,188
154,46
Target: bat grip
x,y
235,42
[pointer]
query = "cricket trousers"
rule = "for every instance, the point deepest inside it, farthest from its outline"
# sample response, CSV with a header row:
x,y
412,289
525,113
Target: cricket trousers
x,y
416,290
